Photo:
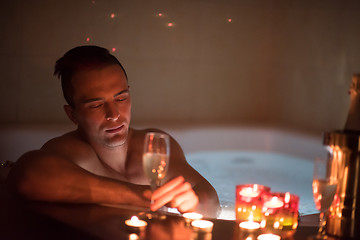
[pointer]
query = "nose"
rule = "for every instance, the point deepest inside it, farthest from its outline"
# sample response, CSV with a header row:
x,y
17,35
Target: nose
x,y
112,112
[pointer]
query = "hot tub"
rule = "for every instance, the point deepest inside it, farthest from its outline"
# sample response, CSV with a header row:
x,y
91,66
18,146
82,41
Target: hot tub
x,y
227,156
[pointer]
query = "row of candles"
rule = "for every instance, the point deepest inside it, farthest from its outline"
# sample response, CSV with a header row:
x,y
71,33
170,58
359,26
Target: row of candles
x,y
259,209
193,219
260,214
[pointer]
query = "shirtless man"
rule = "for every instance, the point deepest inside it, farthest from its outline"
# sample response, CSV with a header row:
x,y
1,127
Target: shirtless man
x,y
101,161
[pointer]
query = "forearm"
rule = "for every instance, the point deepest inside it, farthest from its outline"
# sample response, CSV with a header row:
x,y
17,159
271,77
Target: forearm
x,y
37,176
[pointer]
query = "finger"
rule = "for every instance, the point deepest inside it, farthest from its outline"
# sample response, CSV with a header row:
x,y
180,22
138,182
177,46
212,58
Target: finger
x,y
169,196
186,201
147,194
188,206
167,187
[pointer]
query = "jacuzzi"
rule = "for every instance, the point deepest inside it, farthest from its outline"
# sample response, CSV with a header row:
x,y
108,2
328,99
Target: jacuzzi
x,y
225,156
228,156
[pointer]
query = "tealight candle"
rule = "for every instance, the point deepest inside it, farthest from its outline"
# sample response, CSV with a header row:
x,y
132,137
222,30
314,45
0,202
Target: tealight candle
x,y
268,236
202,225
191,216
250,191
281,213
249,225
275,202
135,223
249,201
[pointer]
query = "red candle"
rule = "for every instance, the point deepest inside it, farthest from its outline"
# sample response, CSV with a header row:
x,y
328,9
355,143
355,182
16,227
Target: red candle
x,y
248,202
281,213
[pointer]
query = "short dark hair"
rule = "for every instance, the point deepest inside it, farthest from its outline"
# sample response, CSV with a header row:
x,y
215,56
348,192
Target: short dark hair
x,y
78,59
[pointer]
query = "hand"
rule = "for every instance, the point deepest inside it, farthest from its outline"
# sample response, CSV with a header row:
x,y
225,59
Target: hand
x,y
177,194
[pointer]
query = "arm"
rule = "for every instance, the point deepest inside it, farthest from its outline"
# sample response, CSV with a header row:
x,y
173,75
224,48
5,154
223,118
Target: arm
x,y
39,175
187,190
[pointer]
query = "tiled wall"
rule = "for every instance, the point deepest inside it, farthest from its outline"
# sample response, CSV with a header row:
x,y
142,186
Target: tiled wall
x,y
279,63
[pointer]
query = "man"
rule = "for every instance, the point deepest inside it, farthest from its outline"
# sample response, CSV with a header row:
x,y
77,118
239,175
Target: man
x,y
101,161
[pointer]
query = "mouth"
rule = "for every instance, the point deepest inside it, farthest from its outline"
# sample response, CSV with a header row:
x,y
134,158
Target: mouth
x,y
115,129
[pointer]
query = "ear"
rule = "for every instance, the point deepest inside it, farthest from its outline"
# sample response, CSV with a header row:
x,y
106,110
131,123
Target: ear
x,y
70,113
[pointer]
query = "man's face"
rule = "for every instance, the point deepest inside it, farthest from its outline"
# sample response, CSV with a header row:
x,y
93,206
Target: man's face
x,y
102,105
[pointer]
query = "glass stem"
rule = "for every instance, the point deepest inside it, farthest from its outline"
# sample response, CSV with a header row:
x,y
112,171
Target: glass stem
x,y
322,224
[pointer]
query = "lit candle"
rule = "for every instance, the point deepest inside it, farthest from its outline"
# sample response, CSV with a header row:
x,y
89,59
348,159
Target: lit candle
x,y
191,216
202,225
275,202
133,236
268,236
249,201
249,225
250,191
281,213
287,197
135,223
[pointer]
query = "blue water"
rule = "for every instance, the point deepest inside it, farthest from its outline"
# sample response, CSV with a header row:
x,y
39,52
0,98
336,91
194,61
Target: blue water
x,y
280,172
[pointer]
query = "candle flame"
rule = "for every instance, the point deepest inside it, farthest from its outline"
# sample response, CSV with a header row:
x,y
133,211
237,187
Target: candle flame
x,y
251,217
134,219
287,197
133,236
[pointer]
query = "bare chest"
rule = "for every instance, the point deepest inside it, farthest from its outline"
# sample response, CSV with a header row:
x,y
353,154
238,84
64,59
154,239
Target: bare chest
x,y
130,170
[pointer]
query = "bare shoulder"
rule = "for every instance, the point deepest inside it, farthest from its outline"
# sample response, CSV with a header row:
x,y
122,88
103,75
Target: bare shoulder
x,y
69,146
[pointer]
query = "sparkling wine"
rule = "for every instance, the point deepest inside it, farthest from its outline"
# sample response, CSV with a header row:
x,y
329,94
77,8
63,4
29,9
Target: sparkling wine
x,y
155,167
324,193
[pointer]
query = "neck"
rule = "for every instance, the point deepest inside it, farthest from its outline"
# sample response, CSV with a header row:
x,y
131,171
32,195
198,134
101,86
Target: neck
x,y
113,158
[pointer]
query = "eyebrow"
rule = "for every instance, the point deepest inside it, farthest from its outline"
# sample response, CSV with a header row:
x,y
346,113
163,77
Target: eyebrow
x,y
100,99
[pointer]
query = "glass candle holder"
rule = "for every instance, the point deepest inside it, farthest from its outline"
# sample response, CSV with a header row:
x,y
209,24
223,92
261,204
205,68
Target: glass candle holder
x,y
280,213
249,202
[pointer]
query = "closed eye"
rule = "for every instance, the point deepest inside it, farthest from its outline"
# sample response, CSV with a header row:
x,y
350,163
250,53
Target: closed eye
x,y
122,97
96,105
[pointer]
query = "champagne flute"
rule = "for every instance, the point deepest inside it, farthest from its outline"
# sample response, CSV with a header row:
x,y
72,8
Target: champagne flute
x,y
156,157
325,183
